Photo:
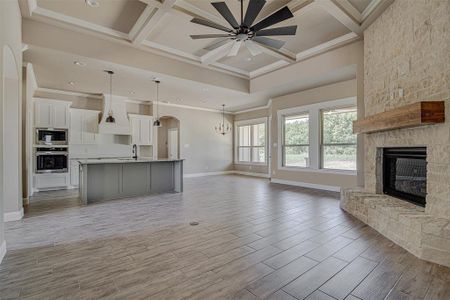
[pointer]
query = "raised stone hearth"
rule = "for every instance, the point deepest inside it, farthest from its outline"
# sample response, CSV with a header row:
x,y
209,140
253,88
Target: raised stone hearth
x,y
407,49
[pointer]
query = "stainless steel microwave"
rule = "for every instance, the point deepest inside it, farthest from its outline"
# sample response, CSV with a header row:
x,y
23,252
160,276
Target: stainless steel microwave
x,y
50,136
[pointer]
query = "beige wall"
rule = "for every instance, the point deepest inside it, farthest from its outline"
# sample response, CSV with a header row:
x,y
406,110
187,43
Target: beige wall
x,y
10,36
203,149
336,91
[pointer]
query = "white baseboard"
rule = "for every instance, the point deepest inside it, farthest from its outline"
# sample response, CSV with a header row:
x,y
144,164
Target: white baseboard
x,y
2,251
226,173
254,174
307,185
191,175
13,216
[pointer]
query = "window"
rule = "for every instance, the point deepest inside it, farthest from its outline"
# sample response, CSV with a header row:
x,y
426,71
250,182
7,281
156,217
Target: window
x,y
251,143
338,143
296,140
318,137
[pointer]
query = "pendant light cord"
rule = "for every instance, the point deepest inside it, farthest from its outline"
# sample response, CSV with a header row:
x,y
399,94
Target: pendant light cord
x,y
110,92
157,98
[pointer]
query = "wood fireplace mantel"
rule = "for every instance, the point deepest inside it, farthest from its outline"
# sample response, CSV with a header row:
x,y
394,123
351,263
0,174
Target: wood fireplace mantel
x,y
412,115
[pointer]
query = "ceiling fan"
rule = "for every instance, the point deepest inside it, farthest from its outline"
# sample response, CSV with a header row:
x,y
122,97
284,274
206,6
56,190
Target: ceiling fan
x,y
246,32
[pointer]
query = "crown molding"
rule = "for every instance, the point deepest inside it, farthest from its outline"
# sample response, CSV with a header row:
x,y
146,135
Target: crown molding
x,y
268,105
68,93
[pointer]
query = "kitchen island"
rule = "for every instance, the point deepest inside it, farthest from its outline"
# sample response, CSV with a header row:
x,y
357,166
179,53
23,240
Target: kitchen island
x,y
105,179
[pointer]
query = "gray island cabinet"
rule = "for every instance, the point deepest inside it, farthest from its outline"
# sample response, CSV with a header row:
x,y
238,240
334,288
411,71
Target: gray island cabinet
x,y
104,179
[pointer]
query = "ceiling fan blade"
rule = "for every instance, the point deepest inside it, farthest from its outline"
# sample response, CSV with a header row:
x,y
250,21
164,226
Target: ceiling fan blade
x,y
235,49
210,24
207,36
216,44
223,9
276,17
269,42
253,48
253,9
287,30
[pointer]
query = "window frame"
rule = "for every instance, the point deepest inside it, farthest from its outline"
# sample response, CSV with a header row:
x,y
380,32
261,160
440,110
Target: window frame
x,y
315,135
250,122
322,144
283,145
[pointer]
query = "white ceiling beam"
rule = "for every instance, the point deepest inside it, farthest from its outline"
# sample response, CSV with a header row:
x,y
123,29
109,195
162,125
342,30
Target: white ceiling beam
x,y
268,68
339,41
216,54
194,11
148,20
351,10
340,15
154,3
31,6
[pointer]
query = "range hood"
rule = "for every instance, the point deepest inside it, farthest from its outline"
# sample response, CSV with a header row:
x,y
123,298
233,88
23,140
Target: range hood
x,y
118,106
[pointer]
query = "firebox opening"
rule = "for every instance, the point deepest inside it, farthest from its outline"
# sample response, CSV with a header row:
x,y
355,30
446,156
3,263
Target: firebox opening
x,y
405,173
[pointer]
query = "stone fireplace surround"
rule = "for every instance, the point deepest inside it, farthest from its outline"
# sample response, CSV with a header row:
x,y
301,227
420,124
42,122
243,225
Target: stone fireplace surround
x,y
425,232
407,48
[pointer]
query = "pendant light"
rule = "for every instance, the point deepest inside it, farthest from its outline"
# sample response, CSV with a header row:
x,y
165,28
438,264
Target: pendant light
x,y
110,118
223,128
157,122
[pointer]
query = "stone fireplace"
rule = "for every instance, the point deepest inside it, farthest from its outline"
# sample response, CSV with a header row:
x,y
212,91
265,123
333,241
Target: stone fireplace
x,y
406,60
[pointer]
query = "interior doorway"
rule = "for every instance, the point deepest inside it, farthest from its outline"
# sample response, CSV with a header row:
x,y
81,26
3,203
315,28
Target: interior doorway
x,y
169,138
172,141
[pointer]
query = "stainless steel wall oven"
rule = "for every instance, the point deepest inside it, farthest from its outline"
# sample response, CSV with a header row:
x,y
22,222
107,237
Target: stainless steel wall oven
x,y
51,160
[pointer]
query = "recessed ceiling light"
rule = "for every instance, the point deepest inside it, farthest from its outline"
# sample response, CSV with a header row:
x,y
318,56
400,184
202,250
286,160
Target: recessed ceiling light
x,y
79,63
132,93
92,3
71,82
248,59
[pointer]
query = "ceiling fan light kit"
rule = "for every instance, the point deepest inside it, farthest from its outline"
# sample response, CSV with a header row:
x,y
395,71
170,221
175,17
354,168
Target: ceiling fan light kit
x,y
252,35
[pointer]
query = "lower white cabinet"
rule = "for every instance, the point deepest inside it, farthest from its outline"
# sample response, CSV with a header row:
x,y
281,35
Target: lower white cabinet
x,y
74,173
83,126
141,130
51,181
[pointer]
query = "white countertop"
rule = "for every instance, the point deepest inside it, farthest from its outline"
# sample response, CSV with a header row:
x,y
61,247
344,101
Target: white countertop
x,y
124,160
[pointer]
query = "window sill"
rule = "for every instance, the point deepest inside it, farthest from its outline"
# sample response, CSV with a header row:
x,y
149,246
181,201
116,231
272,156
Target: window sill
x,y
325,171
250,164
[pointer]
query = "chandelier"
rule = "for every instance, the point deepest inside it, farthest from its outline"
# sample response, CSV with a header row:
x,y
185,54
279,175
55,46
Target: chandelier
x,y
223,128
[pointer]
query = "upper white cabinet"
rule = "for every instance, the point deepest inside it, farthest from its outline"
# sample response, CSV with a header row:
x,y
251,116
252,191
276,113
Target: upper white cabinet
x,y
83,126
51,114
141,130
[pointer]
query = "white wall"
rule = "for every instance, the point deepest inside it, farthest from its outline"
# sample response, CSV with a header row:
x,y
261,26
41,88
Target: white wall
x,y
10,37
203,149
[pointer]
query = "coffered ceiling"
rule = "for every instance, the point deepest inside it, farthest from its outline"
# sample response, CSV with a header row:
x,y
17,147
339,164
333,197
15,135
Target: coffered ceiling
x,y
164,26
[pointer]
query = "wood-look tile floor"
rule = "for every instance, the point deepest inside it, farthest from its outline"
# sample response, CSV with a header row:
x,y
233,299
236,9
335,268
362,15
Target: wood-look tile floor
x,y
255,240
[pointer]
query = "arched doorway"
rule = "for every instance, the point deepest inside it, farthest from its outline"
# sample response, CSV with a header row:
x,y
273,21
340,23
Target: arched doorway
x,y
11,138
169,138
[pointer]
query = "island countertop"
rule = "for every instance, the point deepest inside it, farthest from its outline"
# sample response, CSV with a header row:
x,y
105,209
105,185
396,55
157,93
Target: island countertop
x,y
125,160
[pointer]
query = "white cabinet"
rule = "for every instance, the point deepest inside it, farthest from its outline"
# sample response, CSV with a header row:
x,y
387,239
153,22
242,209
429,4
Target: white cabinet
x,y
83,126
51,181
141,130
74,173
51,113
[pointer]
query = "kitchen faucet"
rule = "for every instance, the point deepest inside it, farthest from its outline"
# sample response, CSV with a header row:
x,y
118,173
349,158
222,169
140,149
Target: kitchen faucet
x,y
134,151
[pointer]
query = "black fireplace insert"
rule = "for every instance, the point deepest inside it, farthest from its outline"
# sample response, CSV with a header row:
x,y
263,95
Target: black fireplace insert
x,y
405,173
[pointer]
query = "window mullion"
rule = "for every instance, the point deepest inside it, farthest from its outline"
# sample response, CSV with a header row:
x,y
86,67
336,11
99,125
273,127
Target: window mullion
x,y
314,139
